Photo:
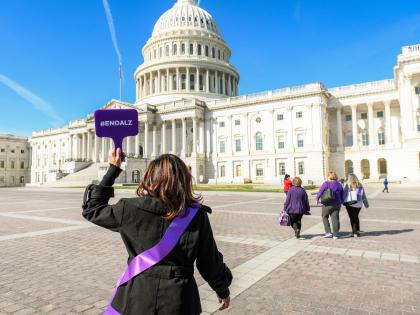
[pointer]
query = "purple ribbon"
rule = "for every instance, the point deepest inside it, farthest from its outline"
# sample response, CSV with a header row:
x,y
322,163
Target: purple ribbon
x,y
154,255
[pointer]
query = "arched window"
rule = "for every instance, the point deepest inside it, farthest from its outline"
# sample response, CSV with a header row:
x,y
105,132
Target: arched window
x,y
182,49
199,49
191,49
213,52
174,87
207,51
175,50
192,82
183,81
167,50
259,141
365,168
348,167
382,168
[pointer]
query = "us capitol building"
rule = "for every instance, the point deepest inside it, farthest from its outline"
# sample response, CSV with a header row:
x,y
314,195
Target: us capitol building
x,y
188,104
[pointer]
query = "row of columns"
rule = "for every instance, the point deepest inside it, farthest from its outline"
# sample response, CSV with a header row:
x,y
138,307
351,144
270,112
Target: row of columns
x,y
371,131
170,80
86,146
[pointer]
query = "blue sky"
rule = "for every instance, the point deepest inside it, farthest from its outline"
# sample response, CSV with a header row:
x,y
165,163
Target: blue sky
x,y
61,51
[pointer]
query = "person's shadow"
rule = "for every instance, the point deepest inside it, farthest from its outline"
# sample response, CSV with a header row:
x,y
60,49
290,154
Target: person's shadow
x,y
386,232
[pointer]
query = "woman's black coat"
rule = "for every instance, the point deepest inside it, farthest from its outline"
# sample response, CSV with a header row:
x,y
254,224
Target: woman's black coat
x,y
169,287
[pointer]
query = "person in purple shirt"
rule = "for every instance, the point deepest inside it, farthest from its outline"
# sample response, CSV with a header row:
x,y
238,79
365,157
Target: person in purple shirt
x,y
296,205
331,210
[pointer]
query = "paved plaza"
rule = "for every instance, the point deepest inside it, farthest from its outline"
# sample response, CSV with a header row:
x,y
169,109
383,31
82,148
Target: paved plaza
x,y
54,262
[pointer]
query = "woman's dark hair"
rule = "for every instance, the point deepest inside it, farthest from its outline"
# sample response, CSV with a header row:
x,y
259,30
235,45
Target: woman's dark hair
x,y
170,180
286,176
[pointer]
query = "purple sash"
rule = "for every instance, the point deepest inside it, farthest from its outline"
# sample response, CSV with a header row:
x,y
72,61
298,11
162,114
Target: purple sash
x,y
154,255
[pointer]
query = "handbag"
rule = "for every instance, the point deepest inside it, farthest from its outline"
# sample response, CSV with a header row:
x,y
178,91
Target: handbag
x,y
328,197
353,197
284,219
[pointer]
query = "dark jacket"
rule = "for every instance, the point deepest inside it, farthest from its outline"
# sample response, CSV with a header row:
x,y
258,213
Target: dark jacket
x,y
297,201
168,287
336,187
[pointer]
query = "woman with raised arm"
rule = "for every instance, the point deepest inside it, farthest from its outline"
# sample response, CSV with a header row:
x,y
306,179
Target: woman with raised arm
x,y
160,284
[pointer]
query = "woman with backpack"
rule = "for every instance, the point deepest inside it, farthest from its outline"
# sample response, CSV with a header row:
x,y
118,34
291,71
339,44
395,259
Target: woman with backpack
x,y
165,230
296,205
354,198
330,195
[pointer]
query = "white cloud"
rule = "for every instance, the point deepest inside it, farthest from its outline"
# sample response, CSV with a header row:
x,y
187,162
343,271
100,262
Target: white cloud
x,y
112,30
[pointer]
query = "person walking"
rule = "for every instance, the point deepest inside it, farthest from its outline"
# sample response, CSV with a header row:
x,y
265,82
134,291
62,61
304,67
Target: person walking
x,y
386,185
164,196
330,193
354,198
287,183
296,205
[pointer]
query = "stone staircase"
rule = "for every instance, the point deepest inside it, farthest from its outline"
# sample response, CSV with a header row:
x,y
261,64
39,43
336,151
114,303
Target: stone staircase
x,y
83,177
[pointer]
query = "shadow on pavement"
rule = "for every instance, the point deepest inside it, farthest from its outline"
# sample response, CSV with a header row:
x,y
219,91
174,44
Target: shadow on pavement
x,y
386,232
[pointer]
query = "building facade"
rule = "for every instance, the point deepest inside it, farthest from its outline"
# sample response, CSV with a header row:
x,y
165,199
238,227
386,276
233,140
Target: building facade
x,y
14,161
188,104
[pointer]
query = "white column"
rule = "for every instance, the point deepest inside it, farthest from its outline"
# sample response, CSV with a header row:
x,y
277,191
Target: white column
x,y
194,149
168,81
146,139
89,146
201,146
178,80
137,145
224,84
150,83
137,89
197,80
187,88
173,151
129,149
154,141
84,146
339,128
217,82
69,148
207,81
372,139
184,137
354,125
96,150
207,127
159,88
229,86
75,147
388,130
103,153
163,137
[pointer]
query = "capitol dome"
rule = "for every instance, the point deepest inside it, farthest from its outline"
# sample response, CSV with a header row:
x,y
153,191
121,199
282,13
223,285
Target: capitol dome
x,y
185,58
185,13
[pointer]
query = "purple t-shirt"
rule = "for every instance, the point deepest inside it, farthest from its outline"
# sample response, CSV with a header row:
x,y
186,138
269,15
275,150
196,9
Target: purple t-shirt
x,y
335,186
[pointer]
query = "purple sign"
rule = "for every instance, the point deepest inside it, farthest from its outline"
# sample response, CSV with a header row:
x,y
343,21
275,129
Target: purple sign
x,y
116,124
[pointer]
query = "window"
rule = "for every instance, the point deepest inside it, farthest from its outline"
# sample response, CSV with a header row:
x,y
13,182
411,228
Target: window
x,y
258,120
299,114
300,141
192,82
381,138
363,115
222,124
282,169
175,50
23,151
218,53
280,117
22,179
258,141
182,49
167,50
207,51
301,168
259,170
222,170
199,50
13,151
280,142
238,170
380,114
12,180
2,150
417,90
222,147
238,145
1,179
365,139
348,117
213,52
1,164
183,81
237,122
349,140
12,164
191,49
22,165
160,51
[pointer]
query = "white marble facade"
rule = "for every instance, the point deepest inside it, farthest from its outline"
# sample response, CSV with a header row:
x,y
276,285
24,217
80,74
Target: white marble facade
x,y
188,104
14,161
